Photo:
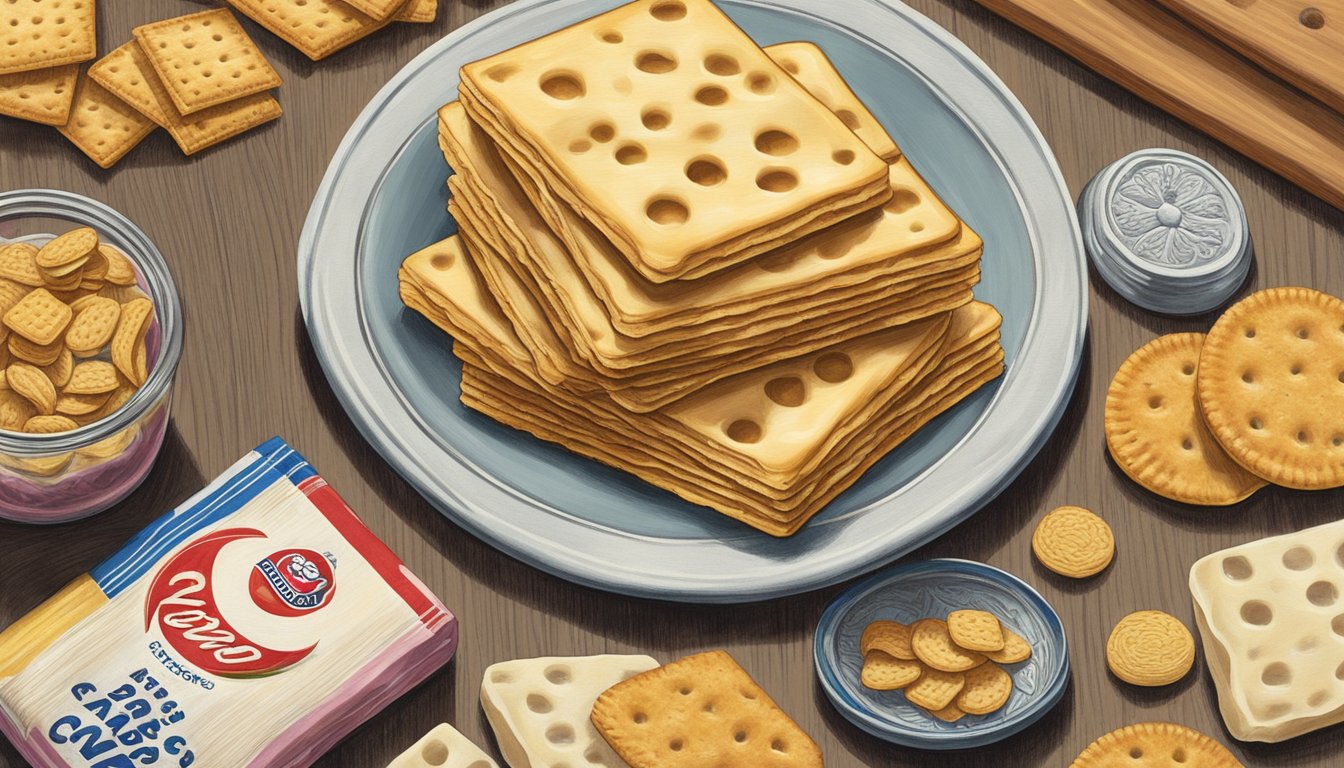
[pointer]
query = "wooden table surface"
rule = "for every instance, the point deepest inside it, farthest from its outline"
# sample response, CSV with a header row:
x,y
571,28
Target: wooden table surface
x,y
228,221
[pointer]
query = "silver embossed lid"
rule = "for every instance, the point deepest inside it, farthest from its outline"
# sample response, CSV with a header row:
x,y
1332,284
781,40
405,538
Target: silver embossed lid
x,y
1167,231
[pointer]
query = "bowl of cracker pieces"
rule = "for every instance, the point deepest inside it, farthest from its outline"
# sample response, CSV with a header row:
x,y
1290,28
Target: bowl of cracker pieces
x,y
90,339
942,654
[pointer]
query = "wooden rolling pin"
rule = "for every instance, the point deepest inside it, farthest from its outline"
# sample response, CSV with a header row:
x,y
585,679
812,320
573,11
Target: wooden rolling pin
x,y
1301,41
1180,70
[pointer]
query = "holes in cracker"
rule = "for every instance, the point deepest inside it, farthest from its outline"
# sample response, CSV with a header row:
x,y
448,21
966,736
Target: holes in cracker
x,y
1296,370
501,72
740,737
790,66
611,36
579,146
1302,333
1188,444
778,745
602,132
712,96
1339,555
1135,752
744,431
655,62
916,226
706,171
1322,594
671,10
631,154
1155,402
501,677
640,718
843,156
684,690
1250,333
833,367
1298,559
435,753
1276,673
776,262
441,261
594,755
560,733
706,132
676,744
558,674
1303,437
776,143
1337,625
1317,699
539,703
655,119
1248,377
902,200
667,211
722,64
850,119
562,86
761,83
1237,568
1178,755
777,180
788,391
1188,369
1256,613
1257,423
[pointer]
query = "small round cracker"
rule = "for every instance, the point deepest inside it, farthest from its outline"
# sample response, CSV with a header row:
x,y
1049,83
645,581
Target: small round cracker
x,y
1156,433
987,689
1073,542
890,637
948,714
1271,385
975,630
933,645
884,672
1015,649
1150,648
67,248
1149,745
935,689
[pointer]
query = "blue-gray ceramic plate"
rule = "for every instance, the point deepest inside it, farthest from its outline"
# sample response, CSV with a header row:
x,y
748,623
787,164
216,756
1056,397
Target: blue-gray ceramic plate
x,y
935,588
383,197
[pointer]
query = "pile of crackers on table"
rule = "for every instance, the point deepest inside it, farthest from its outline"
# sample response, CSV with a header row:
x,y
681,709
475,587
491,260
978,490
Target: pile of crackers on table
x,y
698,261
200,77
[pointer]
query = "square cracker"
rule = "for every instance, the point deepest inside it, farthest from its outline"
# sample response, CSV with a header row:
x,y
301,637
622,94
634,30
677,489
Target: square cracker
x,y
318,28
204,59
378,9
418,11
677,137
702,710
103,126
41,96
127,73
39,34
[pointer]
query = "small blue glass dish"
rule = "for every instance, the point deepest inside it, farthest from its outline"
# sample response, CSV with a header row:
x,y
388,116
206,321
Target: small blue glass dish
x,y
935,588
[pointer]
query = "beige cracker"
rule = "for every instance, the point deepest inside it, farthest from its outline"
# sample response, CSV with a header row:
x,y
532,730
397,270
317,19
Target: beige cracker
x,y
37,34
987,689
1155,745
318,28
18,262
884,672
1015,649
702,710
935,689
39,317
15,410
40,355
1271,384
890,637
103,126
92,377
49,425
933,645
205,59
33,384
975,630
128,342
1156,433
1073,542
42,95
1150,648
93,326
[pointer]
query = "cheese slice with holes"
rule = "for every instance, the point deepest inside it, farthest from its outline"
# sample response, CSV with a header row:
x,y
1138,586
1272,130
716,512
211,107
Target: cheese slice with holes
x,y
1271,615
540,708
443,747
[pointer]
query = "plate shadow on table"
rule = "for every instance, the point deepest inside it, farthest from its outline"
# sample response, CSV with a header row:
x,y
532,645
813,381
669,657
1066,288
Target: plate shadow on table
x,y
1029,747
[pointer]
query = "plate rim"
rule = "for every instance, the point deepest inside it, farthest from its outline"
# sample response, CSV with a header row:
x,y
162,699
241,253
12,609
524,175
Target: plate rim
x,y
786,575
881,728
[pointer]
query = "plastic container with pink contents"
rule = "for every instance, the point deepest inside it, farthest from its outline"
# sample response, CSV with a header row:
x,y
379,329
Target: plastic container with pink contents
x,y
69,475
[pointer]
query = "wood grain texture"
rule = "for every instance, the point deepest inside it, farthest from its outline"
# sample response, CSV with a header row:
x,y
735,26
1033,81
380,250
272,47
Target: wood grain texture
x,y
1188,74
228,221
1302,42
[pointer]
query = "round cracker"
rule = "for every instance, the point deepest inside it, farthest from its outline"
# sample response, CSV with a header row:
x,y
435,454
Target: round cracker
x,y
890,637
1156,433
1150,648
1271,386
884,672
987,689
975,630
1015,649
1073,542
933,645
1147,745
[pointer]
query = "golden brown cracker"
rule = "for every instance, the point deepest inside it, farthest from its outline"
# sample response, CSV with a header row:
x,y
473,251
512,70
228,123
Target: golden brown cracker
x,y
1156,432
932,644
15,410
114,402
93,377
1150,648
949,714
33,384
935,689
884,672
205,59
59,372
418,11
1155,745
41,96
1271,386
18,263
120,270
39,355
93,326
69,248
1015,649
318,28
702,710
39,34
39,317
1073,542
128,340
103,126
69,404
987,689
975,630
890,637
378,9
49,425
111,447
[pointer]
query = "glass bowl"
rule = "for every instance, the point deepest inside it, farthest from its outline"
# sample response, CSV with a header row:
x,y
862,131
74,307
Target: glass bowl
x,y
55,478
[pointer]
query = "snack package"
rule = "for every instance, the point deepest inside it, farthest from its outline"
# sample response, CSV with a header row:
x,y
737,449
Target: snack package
x,y
255,625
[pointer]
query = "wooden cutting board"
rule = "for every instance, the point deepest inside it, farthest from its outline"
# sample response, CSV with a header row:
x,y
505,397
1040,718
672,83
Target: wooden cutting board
x,y
1302,42
1190,75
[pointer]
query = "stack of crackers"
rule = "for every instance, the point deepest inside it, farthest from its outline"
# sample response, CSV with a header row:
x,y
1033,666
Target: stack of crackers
x,y
319,28
1259,400
700,261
